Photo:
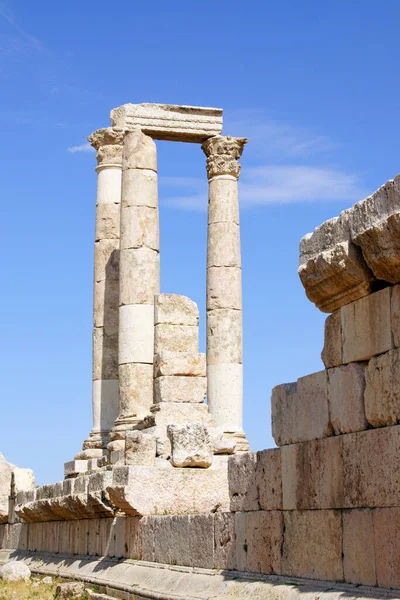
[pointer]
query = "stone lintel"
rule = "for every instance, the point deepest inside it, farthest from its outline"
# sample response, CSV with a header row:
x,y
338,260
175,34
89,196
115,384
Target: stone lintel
x,y
169,121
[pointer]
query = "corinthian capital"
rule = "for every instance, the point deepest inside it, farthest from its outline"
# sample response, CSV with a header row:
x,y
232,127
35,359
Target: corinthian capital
x,y
108,144
223,152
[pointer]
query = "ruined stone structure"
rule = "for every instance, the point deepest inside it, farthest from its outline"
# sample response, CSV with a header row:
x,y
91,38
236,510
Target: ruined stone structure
x,y
164,500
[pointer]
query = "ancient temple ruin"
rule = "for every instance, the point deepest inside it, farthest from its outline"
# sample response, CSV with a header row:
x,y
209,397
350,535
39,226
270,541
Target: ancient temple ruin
x,y
165,500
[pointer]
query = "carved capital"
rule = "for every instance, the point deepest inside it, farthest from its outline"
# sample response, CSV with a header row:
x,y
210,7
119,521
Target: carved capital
x,y
223,152
108,144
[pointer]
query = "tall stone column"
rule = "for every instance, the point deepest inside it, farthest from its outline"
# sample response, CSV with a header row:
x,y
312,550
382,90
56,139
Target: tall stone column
x,y
108,144
224,286
139,280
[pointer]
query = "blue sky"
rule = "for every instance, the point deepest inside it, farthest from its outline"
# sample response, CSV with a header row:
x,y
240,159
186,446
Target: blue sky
x,y
312,85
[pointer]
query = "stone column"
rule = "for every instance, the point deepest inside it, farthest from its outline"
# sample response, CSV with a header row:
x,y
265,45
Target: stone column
x,y
139,280
108,144
224,285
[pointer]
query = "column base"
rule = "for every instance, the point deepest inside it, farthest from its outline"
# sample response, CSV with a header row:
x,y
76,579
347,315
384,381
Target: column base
x,y
239,437
121,426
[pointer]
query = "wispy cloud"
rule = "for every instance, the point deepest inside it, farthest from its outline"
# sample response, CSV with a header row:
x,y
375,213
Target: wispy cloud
x,y
20,42
82,148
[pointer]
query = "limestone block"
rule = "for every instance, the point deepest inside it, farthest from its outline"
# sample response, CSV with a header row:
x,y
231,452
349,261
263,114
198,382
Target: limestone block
x,y
105,409
140,449
224,541
169,122
145,490
358,547
174,309
312,544
224,288
223,446
201,541
386,523
180,389
6,469
106,260
395,314
224,336
375,227
106,303
176,338
22,479
346,386
269,479
139,151
300,410
139,275
190,445
191,364
259,537
331,268
75,467
70,590
135,389
105,353
139,188
366,327
171,534
382,392
226,207
225,399
312,475
176,412
107,222
243,488
332,352
223,248
117,457
136,339
371,468
139,227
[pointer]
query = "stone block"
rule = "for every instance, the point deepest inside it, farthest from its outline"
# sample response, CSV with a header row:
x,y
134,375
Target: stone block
x,y
139,275
223,446
164,413
105,353
140,449
171,534
224,288
223,248
139,151
191,364
170,122
331,268
259,537
106,260
139,227
375,227
382,391
22,479
386,524
346,386
312,474
106,303
140,188
107,222
366,327
133,535
180,389
190,445
224,336
117,457
269,479
135,389
224,541
332,352
136,338
300,410
243,488
395,314
226,209
75,467
201,541
312,544
176,338
371,468
358,547
174,309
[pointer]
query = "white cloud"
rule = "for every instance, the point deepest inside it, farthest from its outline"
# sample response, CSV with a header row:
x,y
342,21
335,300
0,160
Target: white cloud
x,y
26,41
82,148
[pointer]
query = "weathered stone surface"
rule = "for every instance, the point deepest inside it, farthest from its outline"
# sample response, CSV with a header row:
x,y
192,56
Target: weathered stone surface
x,y
269,479
224,204
107,221
169,121
75,467
70,590
140,449
312,544
190,445
174,309
139,227
223,152
223,248
136,334
135,389
300,410
259,537
106,303
140,188
108,144
224,336
164,413
225,399
358,547
176,338
331,268
224,541
224,446
15,571
106,260
382,392
224,288
105,353
395,314
139,151
312,475
375,227
366,327
386,524
139,275
332,352
180,389
346,386
191,364
6,469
